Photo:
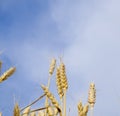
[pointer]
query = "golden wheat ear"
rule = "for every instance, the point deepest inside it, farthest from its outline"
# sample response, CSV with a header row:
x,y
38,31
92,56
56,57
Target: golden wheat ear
x,y
52,66
7,74
16,110
58,83
92,95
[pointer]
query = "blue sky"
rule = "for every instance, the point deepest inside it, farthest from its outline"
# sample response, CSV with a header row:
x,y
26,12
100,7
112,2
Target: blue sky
x,y
86,33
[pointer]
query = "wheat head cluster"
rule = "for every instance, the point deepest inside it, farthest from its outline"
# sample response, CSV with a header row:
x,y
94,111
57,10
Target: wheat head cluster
x,y
53,106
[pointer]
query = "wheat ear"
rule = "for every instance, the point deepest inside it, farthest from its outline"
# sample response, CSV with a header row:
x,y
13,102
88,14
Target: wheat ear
x,y
58,83
16,110
92,97
64,85
52,98
52,66
7,74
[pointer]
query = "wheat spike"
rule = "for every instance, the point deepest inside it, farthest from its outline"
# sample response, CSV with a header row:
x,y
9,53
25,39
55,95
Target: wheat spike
x,y
58,83
63,77
51,97
7,74
0,113
16,110
52,66
26,111
92,95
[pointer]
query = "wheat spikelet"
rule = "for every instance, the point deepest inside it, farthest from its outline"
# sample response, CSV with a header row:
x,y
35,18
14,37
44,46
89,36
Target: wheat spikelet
x,y
52,66
32,114
7,74
50,96
41,113
92,95
58,83
26,111
16,110
63,77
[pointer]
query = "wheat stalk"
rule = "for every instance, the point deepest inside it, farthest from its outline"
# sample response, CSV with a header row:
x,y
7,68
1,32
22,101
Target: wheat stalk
x,y
51,70
7,74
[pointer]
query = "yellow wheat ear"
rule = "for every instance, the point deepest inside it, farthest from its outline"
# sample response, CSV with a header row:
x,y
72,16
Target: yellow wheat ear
x,y
59,83
92,95
7,74
52,66
64,82
16,110
0,113
50,96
